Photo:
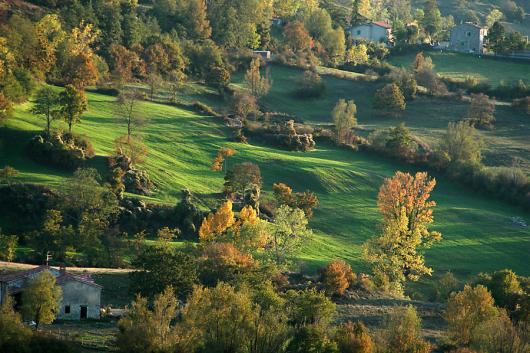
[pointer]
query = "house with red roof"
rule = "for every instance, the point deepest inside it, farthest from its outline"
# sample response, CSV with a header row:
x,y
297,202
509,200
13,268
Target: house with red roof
x,y
81,295
379,31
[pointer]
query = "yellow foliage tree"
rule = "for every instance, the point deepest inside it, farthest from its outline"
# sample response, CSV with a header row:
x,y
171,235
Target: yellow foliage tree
x,y
217,223
219,160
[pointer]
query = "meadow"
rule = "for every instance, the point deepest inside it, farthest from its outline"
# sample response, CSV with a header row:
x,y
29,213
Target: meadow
x,y
426,116
459,66
478,232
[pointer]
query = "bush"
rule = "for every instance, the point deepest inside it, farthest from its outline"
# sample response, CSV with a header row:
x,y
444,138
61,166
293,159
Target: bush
x,y
336,277
354,338
523,104
312,85
390,99
63,150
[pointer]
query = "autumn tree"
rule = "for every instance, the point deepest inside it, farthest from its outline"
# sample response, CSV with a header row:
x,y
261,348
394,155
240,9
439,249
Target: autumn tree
x,y
73,103
46,104
467,310
216,223
361,10
259,85
306,201
126,107
404,204
219,162
41,299
50,35
481,110
390,99
336,277
357,55
296,36
124,64
344,118
354,338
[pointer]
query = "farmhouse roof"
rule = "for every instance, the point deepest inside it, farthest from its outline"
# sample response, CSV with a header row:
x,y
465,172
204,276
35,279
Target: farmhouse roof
x,y
61,279
382,24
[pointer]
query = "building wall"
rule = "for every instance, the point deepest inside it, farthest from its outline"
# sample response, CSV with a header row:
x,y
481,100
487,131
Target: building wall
x,y
467,38
370,32
77,294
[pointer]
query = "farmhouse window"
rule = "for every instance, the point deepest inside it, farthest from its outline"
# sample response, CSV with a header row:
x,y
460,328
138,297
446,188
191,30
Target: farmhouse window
x,y
469,34
358,32
67,309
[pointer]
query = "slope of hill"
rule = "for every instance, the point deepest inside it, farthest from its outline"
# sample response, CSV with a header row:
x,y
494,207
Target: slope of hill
x,y
478,232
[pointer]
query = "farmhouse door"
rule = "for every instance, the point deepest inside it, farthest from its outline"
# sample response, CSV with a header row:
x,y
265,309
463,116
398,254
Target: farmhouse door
x,y
83,312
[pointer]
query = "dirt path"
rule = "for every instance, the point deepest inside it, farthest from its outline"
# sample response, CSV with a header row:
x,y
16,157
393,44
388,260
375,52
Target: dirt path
x,y
19,266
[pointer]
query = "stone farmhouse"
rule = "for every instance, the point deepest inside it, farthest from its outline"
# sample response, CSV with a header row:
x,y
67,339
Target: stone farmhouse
x,y
468,37
81,295
372,31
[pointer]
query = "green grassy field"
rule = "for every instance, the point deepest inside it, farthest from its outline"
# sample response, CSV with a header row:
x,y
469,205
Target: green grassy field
x,y
459,66
427,117
478,232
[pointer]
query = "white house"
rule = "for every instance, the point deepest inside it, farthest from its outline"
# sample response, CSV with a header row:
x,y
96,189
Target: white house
x,y
81,295
372,31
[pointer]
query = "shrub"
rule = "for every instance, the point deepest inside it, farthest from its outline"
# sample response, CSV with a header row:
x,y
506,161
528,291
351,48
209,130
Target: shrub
x,y
523,104
311,84
403,332
481,110
354,338
390,99
336,277
504,286
63,150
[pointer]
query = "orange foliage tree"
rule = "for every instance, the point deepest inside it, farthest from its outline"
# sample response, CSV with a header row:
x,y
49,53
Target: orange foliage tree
x,y
336,277
404,203
305,201
217,223
219,160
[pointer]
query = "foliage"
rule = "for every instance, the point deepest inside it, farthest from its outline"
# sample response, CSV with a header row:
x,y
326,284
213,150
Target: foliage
x,y
311,339
296,36
41,299
127,111
504,287
445,286
217,223
63,150
403,201
466,311
522,104
306,201
390,99
312,85
162,267
244,104
309,307
481,110
14,335
357,55
402,332
219,162
46,104
406,82
336,277
52,237
73,104
240,176
131,147
149,330
461,143
8,246
344,118
354,338
289,234
7,174
259,85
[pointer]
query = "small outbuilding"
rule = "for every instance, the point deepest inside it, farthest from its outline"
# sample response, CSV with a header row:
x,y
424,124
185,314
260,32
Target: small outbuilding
x,y
81,295
468,38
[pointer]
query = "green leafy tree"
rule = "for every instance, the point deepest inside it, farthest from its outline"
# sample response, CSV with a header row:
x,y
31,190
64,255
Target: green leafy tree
x,y
344,118
390,99
432,20
161,267
73,103
310,307
41,299
402,332
289,233
8,246
46,104
14,335
462,143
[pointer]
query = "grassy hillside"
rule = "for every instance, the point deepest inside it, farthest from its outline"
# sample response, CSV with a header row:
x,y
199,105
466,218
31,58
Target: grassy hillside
x,y
427,117
459,66
478,232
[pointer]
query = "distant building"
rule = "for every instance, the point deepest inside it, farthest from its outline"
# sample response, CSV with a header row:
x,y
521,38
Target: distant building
x,y
265,54
372,31
468,37
81,295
